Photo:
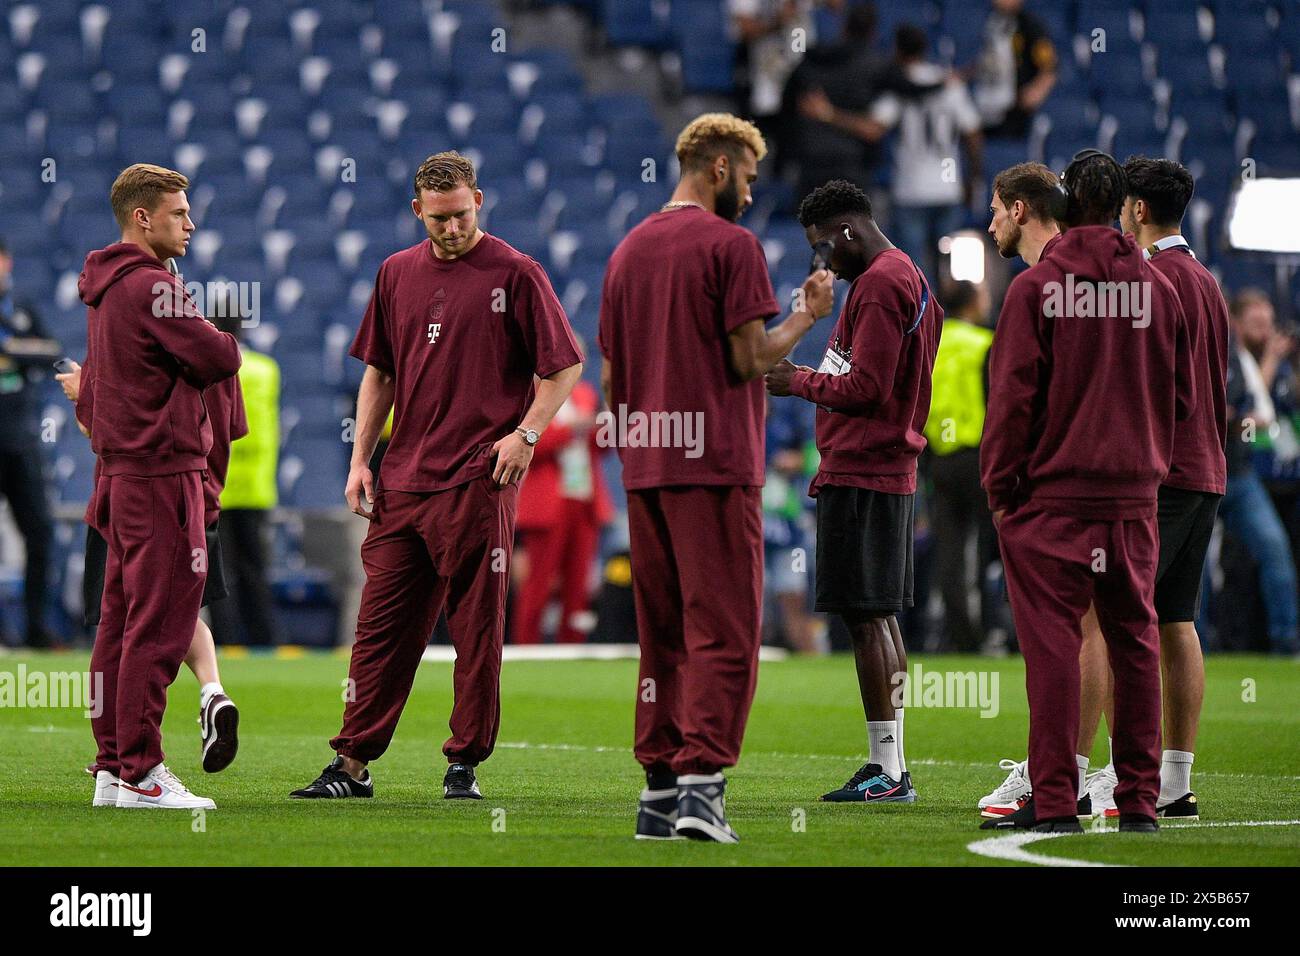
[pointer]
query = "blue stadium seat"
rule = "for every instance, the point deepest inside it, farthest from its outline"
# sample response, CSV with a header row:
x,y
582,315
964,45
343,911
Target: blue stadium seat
x,y
634,23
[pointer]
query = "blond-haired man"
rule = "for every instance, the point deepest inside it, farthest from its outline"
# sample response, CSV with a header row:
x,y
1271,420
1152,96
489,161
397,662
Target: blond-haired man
x,y
682,330
456,330
149,355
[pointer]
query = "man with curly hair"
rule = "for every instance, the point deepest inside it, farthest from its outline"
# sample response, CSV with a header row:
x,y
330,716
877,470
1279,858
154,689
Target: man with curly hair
x,y
872,393
682,330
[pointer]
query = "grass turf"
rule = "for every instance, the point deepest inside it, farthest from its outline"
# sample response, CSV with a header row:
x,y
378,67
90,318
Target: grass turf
x,y
561,788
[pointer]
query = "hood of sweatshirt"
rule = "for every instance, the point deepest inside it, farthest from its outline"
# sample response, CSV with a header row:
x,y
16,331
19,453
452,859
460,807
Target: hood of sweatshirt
x,y
1096,253
106,266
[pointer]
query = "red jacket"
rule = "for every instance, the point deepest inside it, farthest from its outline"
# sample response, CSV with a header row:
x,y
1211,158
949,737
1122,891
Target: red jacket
x,y
1081,409
149,355
542,490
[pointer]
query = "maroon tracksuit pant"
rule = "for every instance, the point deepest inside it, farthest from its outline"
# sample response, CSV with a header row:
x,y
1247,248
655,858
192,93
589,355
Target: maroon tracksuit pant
x,y
697,579
424,551
1049,561
153,585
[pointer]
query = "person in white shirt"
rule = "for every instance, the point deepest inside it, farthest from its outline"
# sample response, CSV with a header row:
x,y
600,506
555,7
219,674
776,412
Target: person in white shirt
x,y
931,184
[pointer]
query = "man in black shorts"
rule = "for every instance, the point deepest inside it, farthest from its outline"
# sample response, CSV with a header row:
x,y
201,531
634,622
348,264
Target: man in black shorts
x,y
1158,193
218,715
873,396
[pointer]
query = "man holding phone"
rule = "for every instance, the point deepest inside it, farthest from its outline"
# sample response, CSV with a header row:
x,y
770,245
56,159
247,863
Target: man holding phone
x,y
873,396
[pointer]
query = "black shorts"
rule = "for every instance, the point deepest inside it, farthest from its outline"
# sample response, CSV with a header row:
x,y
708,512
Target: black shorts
x,y
1186,520
864,551
92,580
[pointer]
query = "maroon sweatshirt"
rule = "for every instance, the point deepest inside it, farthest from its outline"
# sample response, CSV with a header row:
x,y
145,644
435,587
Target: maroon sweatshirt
x,y
1082,406
1199,463
873,387
143,379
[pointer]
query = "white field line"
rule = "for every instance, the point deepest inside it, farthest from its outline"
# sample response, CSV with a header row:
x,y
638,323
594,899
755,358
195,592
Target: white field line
x,y
1011,847
443,654
850,758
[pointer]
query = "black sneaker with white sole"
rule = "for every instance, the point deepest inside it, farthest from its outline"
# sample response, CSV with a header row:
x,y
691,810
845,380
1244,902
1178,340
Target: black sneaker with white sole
x,y
459,783
702,808
1184,808
335,783
219,727
1026,818
656,817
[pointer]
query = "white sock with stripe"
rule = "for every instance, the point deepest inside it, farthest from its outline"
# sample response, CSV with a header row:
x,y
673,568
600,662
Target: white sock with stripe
x,y
902,757
882,736
1082,763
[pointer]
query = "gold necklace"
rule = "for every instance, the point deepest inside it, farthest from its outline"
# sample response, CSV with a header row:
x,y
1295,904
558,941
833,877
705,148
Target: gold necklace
x,y
679,204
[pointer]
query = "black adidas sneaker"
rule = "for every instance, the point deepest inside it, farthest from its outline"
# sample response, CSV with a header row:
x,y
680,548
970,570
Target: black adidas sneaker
x,y
334,782
459,783
1184,808
1026,818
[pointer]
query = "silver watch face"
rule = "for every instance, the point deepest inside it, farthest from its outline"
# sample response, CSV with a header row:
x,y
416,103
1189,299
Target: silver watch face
x,y
531,436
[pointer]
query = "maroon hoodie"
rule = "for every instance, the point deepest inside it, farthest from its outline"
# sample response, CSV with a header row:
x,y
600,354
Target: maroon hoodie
x,y
1082,405
142,384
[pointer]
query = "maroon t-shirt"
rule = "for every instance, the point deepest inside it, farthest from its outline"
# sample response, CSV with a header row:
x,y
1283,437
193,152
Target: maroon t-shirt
x,y
873,386
676,286
462,339
1198,462
225,403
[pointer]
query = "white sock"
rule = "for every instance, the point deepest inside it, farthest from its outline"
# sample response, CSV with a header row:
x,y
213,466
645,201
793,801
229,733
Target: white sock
x,y
1175,775
206,692
1082,762
902,760
883,737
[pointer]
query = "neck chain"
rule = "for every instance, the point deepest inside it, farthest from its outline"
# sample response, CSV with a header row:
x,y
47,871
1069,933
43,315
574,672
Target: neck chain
x,y
679,204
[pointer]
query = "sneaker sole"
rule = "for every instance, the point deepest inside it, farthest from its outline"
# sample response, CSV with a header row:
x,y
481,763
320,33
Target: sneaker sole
x,y
695,828
225,744
462,796
906,798
660,839
155,806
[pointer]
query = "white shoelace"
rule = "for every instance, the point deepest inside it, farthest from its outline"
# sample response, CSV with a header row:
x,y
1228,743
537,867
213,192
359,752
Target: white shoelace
x,y
1016,779
170,781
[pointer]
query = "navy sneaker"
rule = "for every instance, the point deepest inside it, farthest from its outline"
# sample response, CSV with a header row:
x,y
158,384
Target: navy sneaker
x,y
872,785
907,782
656,817
334,782
459,783
702,808
1137,823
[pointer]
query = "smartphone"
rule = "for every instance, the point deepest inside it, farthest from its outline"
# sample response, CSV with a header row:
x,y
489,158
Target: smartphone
x,y
63,366
821,258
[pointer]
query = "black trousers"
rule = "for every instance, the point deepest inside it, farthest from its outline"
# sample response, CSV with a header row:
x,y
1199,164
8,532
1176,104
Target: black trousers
x,y
22,482
959,510
246,615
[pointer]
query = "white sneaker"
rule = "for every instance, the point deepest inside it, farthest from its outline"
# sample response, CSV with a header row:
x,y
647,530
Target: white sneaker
x,y
1100,787
1013,794
161,790
106,789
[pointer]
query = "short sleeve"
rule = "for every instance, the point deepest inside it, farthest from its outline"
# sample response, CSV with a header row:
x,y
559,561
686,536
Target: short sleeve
x,y
546,330
372,344
746,285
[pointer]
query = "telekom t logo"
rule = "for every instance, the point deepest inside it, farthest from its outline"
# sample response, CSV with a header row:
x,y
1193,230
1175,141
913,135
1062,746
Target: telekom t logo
x,y
435,328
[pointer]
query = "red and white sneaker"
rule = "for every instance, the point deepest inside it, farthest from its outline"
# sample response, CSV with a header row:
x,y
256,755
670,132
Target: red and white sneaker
x,y
219,726
106,788
1100,788
1013,793
160,790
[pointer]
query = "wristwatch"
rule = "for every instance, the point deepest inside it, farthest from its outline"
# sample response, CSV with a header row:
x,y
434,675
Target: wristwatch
x,y
529,435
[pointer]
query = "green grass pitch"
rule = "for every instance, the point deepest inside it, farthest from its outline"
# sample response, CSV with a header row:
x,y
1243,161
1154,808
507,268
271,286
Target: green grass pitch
x,y
561,788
